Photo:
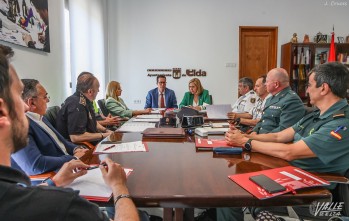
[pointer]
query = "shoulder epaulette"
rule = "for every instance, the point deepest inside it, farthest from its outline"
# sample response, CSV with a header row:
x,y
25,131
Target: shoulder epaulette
x,y
82,100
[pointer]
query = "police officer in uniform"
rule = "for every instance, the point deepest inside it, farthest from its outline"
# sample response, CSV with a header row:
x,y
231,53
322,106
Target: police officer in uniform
x,y
76,120
247,121
247,99
284,108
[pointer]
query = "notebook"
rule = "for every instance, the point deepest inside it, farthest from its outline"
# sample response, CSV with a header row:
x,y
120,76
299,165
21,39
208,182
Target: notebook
x,y
218,111
164,132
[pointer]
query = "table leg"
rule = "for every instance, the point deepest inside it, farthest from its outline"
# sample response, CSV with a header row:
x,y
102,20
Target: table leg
x,y
179,214
168,214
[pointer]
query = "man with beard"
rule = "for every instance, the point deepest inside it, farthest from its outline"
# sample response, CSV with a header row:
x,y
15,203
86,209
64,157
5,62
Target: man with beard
x,y
20,201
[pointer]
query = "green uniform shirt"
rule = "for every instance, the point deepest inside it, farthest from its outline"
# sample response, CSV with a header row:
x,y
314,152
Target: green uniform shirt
x,y
329,142
281,111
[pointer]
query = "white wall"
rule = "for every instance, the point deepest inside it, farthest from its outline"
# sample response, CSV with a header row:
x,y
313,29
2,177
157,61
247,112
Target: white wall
x,y
47,67
182,33
202,34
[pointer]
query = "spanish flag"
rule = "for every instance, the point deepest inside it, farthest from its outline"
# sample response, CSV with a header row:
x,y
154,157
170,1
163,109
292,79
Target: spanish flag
x,y
332,55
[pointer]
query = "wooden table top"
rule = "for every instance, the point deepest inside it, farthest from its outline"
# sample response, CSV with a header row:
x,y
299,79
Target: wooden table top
x,y
173,174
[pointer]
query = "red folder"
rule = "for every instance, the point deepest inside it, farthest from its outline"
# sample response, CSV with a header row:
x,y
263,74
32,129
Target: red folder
x,y
209,144
290,177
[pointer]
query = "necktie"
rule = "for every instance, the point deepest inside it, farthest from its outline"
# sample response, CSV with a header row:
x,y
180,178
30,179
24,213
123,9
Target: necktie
x,y
162,101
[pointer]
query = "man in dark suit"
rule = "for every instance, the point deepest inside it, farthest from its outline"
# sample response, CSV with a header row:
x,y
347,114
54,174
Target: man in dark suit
x,y
161,97
47,150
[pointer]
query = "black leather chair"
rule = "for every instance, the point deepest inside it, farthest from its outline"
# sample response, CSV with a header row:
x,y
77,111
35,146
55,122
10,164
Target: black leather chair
x,y
101,104
51,114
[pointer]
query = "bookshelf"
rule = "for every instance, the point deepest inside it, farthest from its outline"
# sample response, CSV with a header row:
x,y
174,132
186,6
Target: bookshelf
x,y
299,58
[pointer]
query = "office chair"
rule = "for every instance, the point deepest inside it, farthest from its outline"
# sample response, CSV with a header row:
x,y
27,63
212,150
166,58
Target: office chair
x,y
101,104
51,114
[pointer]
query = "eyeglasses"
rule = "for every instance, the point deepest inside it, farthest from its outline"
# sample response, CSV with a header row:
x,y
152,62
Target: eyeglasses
x,y
162,82
43,97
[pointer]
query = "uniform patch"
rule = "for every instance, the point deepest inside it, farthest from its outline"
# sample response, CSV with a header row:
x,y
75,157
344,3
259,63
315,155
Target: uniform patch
x,y
336,135
253,100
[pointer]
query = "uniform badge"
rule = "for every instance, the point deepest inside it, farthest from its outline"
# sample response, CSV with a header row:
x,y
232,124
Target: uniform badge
x,y
253,100
82,100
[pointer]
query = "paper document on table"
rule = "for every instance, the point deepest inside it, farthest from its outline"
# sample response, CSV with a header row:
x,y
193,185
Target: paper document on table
x,y
136,146
218,111
157,110
135,126
146,120
220,125
149,116
92,186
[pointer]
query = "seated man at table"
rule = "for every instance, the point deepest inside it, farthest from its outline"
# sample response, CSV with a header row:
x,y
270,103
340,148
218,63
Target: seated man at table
x,y
19,200
317,143
76,120
161,97
47,150
247,121
247,98
284,108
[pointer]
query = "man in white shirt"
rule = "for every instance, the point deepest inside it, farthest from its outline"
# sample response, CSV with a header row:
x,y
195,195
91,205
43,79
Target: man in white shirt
x,y
47,150
247,99
251,118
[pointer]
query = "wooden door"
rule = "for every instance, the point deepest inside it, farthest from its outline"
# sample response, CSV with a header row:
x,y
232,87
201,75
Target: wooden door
x,y
257,51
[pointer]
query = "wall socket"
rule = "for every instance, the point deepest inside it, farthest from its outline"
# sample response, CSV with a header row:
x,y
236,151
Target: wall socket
x,y
137,101
231,65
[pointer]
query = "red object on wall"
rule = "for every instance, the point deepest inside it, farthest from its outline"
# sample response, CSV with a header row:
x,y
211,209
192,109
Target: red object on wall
x,y
332,56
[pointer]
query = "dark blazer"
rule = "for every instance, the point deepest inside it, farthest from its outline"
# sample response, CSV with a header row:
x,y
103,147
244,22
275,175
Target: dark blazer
x,y
42,154
152,99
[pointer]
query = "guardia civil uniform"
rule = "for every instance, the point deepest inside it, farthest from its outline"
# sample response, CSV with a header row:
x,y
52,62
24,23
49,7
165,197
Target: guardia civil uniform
x,y
327,135
280,112
245,102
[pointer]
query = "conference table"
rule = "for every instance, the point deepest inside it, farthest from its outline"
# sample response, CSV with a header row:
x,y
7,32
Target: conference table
x,y
173,175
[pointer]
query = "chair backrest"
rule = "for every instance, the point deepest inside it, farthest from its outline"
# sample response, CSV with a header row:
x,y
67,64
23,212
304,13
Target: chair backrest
x,y
51,114
211,98
101,104
341,194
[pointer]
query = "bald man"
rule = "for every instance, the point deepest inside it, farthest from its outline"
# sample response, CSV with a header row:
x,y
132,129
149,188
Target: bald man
x,y
284,108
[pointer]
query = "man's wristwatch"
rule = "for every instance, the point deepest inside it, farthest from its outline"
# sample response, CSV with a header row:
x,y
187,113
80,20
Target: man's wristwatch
x,y
49,182
237,121
248,145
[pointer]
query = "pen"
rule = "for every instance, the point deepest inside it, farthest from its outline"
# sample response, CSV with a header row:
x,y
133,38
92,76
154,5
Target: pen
x,y
95,167
107,148
338,128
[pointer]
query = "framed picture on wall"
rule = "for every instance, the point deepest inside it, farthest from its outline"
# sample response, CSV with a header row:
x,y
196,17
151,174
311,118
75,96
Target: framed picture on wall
x,y
25,23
